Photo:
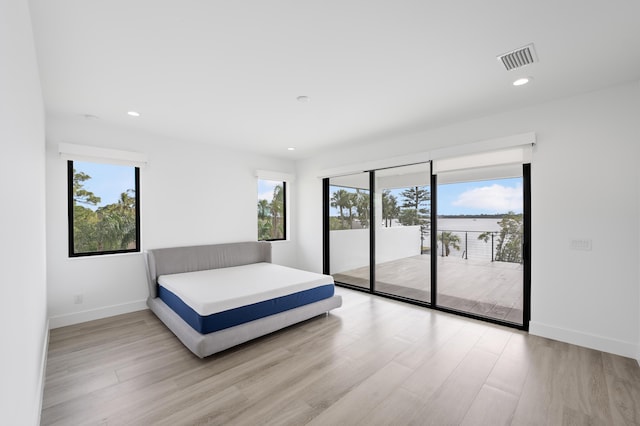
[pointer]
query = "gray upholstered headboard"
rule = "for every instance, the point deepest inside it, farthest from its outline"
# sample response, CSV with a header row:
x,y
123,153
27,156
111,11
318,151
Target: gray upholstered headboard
x,y
174,260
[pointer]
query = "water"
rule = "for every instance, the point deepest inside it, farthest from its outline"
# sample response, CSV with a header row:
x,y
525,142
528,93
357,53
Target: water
x,y
467,224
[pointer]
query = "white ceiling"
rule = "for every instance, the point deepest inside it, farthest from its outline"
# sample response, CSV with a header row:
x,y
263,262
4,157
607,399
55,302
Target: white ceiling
x,y
229,72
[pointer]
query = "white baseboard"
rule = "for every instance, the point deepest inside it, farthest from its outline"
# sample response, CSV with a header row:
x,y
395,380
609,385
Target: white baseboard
x,y
94,314
600,343
43,370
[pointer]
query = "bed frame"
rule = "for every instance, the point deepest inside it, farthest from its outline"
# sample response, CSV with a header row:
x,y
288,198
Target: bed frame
x,y
197,258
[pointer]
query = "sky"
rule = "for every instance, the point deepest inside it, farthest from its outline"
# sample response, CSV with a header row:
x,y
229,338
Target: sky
x,y
475,198
481,197
107,181
265,189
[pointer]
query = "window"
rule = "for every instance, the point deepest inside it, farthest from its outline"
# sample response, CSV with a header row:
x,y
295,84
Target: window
x,y
272,214
104,217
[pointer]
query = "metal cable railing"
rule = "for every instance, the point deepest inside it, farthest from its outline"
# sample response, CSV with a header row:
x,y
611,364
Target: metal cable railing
x,y
481,245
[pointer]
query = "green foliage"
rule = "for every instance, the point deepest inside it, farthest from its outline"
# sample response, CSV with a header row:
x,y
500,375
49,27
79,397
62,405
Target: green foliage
x,y
414,210
390,208
111,227
449,240
352,207
81,195
509,240
271,216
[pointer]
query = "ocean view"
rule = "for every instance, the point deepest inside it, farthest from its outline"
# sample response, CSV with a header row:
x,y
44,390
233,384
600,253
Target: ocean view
x,y
468,224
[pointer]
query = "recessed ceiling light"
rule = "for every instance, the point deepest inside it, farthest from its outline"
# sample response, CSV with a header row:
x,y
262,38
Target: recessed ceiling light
x,y
522,81
291,148
134,113
303,99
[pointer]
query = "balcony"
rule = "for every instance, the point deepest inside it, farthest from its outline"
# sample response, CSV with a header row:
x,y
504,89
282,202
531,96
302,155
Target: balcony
x,y
470,279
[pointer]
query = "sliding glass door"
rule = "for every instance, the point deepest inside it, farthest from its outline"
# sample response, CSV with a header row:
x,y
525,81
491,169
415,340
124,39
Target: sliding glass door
x,y
402,232
349,223
456,240
480,237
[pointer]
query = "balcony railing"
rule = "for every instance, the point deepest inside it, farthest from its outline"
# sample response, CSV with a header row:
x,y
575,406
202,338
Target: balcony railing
x,y
480,245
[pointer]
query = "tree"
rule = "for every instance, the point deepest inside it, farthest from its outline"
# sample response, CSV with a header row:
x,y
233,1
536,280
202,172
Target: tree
x,y
415,211
116,228
340,200
277,210
390,209
362,201
509,243
85,223
449,240
110,227
264,220
80,194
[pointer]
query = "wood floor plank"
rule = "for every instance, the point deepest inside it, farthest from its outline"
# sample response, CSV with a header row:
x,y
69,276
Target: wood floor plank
x,y
451,401
357,403
372,362
491,407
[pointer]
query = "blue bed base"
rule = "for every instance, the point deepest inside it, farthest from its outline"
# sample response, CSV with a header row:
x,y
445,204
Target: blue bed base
x,y
232,317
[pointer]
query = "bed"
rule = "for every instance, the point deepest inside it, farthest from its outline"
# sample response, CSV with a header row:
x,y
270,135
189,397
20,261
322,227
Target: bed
x,y
214,297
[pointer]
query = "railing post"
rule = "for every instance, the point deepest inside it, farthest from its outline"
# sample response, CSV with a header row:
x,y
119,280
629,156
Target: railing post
x,y
466,246
492,246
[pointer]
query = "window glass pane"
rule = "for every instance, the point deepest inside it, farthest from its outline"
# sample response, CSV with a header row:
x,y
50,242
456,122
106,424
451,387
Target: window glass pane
x,y
403,232
271,210
480,236
103,208
349,229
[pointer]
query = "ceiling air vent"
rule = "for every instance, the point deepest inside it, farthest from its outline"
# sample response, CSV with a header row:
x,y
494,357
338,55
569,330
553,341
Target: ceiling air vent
x,y
519,58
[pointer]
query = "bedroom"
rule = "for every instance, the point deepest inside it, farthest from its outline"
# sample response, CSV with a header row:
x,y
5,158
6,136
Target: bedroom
x,y
584,166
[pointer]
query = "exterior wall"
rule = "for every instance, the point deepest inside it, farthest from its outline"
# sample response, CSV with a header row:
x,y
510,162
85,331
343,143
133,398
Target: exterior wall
x,y
350,247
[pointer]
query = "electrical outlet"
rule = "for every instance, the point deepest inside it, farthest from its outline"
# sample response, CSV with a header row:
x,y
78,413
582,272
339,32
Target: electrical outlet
x,y
77,299
580,244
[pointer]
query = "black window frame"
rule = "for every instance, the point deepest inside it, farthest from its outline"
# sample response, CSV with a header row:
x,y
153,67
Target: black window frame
x,y
284,210
70,211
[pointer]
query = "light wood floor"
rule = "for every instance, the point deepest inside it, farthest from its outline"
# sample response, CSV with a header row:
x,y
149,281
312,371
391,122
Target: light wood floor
x,y
373,361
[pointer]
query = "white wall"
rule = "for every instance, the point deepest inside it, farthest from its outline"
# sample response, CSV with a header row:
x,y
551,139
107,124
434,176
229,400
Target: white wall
x,y
584,185
189,194
23,311
350,247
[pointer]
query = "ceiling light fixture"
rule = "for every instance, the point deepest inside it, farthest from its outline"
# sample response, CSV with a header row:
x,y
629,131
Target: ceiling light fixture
x,y
134,113
291,148
522,81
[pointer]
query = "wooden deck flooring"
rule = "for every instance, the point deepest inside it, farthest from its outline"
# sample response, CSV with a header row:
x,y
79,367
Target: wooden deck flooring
x,y
490,289
372,362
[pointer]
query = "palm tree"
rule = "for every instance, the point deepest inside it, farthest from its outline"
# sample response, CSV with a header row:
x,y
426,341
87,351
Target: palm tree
x,y
362,207
340,200
390,209
116,228
277,208
448,240
351,203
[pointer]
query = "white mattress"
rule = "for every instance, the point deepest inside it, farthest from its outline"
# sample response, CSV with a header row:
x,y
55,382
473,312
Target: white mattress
x,y
217,290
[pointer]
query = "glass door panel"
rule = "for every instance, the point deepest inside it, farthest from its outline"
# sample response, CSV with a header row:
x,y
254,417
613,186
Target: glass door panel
x,y
349,229
402,232
480,239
